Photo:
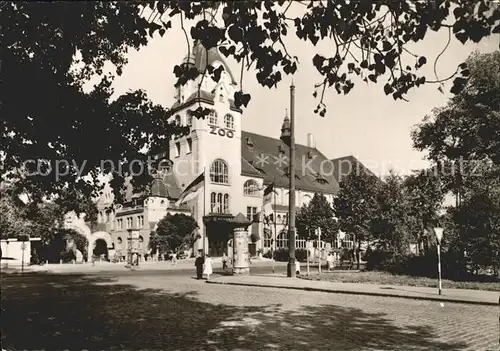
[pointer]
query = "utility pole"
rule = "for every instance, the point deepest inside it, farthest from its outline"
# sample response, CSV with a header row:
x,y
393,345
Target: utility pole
x,y
288,137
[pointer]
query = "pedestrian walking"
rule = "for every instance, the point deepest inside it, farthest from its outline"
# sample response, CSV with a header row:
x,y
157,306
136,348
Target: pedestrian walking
x,y
199,265
224,261
329,260
207,270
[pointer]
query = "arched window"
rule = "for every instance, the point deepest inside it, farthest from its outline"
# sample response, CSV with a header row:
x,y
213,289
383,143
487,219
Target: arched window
x,y
229,121
177,120
219,172
306,200
212,117
282,239
251,187
189,119
219,203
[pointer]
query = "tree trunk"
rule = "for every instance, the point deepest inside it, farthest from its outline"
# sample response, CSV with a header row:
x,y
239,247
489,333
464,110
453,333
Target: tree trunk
x,y
358,252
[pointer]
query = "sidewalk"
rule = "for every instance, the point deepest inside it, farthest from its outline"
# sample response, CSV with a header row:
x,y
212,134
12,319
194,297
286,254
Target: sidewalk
x,y
479,297
184,264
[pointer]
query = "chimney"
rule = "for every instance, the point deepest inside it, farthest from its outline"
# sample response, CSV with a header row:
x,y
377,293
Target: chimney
x,y
310,141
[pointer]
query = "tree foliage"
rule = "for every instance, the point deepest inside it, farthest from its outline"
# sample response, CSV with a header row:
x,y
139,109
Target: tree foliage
x,y
174,232
462,142
13,221
318,213
461,138
49,50
356,204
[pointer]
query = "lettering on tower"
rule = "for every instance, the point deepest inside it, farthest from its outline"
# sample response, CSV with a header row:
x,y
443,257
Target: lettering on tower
x,y
222,132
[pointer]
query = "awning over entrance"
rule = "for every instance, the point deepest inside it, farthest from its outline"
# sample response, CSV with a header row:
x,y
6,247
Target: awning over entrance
x,y
218,218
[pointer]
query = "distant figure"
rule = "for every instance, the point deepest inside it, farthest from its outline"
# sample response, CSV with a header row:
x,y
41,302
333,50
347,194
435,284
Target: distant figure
x,y
207,270
174,258
199,265
329,260
224,261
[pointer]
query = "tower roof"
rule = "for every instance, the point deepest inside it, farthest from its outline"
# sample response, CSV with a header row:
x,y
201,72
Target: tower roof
x,y
201,59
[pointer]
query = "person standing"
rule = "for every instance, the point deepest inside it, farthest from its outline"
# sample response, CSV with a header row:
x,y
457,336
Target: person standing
x,y
329,260
199,265
174,258
224,261
207,270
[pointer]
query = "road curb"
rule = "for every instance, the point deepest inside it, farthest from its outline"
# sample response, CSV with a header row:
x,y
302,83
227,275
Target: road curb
x,y
350,292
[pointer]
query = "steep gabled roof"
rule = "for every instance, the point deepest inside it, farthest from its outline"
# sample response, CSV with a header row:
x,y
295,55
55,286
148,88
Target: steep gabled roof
x,y
167,187
343,166
263,155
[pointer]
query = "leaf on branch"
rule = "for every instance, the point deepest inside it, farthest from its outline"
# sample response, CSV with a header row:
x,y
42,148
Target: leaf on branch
x,y
241,99
458,85
388,89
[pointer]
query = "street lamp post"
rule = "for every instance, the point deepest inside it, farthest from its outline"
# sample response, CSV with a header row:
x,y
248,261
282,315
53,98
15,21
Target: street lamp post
x,y
288,137
439,235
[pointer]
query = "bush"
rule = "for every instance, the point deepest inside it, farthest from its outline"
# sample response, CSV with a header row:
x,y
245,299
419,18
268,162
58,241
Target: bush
x,y
282,255
267,254
416,265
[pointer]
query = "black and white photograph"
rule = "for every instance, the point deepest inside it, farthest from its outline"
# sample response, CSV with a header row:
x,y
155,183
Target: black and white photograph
x,y
250,175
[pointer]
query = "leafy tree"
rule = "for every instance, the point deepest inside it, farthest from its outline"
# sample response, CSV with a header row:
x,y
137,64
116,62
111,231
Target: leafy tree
x,y
356,204
462,135
13,220
317,214
173,233
393,224
425,196
74,200
49,50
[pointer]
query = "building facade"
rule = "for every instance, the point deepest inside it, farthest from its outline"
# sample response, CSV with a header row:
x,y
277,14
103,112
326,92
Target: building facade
x,y
238,166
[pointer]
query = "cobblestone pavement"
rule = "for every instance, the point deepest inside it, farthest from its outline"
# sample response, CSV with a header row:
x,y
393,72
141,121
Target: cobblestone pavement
x,y
158,312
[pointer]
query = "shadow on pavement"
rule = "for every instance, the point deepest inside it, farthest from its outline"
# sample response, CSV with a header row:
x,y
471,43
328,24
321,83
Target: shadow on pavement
x,y
55,312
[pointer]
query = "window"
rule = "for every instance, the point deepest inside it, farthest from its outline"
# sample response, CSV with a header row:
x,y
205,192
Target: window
x,y
129,222
221,98
321,180
219,203
219,172
229,121
251,213
189,119
177,120
119,223
140,221
251,187
212,117
177,149
189,145
282,239
141,242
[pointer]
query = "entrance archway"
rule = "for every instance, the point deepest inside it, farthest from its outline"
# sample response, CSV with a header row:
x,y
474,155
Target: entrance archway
x,y
100,243
100,249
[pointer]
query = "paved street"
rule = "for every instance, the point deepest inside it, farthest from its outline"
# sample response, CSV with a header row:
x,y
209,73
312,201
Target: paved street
x,y
170,311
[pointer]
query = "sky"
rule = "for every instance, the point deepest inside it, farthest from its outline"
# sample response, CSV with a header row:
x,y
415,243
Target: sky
x,y
365,123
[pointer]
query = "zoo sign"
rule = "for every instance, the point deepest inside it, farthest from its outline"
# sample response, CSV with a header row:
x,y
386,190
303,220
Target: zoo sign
x,y
222,132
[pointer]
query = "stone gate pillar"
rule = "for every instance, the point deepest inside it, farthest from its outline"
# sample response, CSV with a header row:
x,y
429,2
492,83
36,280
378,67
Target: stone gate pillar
x,y
240,244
